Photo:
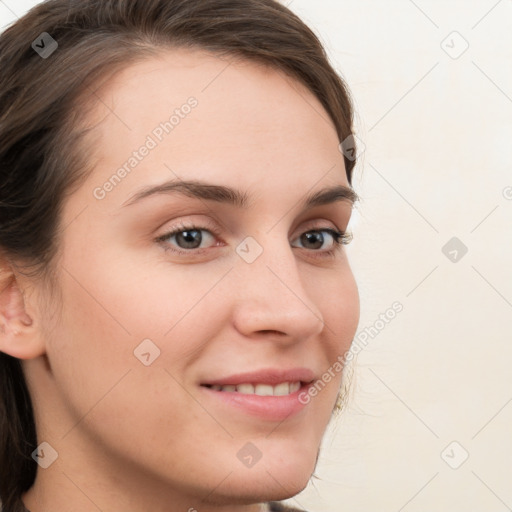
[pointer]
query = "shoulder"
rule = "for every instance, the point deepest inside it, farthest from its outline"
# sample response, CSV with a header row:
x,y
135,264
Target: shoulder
x,y
275,506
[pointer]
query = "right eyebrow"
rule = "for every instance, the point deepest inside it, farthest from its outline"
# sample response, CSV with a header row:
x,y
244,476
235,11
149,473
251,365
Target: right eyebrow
x,y
196,189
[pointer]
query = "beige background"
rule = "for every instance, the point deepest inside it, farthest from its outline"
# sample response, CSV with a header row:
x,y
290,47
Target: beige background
x,y
433,385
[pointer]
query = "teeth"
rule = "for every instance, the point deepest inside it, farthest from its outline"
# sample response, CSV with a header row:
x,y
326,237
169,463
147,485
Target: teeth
x,y
245,389
284,388
294,386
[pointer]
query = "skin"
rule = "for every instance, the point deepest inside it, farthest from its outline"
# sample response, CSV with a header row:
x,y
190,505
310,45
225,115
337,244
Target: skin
x,y
133,437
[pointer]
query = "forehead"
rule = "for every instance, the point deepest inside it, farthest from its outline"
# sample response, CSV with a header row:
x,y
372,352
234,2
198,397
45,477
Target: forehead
x,y
225,119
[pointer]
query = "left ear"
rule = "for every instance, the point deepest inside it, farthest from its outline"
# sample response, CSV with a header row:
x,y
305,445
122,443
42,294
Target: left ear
x,y
20,334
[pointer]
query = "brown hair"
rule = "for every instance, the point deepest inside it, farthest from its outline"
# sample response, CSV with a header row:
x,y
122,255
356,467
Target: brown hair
x,y
44,102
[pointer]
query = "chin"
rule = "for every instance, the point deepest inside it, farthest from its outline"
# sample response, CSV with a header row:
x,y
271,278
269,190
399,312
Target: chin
x,y
288,479
246,489
275,477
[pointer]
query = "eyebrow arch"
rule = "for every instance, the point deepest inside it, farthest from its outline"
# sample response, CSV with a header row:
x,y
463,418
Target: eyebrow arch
x,y
222,194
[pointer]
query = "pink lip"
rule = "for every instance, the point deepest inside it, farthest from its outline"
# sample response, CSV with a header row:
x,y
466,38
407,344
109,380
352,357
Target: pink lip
x,y
271,408
266,376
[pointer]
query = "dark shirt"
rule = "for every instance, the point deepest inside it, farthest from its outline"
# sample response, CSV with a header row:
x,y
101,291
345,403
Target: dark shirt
x,y
279,507
274,507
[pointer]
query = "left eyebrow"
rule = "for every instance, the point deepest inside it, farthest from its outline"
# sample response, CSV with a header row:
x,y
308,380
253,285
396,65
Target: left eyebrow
x,y
222,194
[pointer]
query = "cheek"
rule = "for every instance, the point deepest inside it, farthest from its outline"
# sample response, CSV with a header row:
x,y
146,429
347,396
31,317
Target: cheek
x,y
117,312
100,379
338,301
342,313
91,347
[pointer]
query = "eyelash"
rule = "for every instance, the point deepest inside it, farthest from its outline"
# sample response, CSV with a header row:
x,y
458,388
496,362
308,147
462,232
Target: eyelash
x,y
340,238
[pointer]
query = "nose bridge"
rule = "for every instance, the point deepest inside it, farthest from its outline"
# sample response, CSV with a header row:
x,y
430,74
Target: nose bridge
x,y
271,294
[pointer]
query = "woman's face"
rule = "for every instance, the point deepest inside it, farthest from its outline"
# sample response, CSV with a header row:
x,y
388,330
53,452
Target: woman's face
x,y
149,319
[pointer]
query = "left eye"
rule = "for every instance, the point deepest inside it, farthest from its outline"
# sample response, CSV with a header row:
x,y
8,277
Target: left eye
x,y
315,238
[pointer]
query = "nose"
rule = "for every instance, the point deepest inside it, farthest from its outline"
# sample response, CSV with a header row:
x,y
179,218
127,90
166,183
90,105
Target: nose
x,y
271,297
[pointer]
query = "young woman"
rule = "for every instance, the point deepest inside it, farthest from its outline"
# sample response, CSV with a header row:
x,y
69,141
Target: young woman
x,y
175,298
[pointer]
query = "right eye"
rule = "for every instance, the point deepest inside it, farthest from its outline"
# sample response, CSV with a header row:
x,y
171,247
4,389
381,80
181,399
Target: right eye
x,y
187,239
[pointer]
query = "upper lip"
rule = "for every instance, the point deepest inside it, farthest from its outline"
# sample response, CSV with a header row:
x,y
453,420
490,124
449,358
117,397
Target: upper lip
x,y
266,376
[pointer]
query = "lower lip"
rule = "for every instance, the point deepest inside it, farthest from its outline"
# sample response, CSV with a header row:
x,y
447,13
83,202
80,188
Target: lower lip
x,y
272,408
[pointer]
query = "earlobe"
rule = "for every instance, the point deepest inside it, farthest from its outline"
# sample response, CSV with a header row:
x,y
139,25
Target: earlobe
x,y
19,335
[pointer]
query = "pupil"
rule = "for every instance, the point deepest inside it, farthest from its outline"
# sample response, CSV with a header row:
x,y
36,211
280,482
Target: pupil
x,y
310,237
191,239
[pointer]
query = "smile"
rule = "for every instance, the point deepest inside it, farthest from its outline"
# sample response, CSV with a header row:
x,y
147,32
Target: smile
x,y
281,389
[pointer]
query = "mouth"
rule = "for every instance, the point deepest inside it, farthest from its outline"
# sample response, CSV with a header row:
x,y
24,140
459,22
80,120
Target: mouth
x,y
271,403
